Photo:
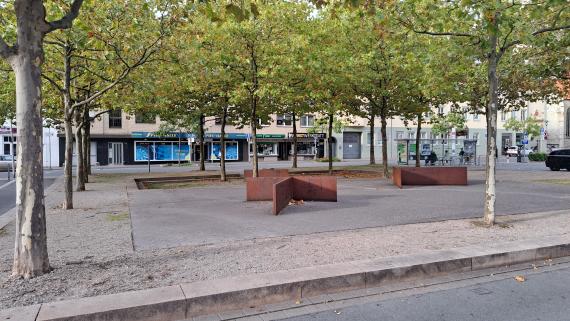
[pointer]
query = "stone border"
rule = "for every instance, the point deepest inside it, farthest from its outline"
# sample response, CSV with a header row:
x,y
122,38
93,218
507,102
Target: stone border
x,y
142,183
207,297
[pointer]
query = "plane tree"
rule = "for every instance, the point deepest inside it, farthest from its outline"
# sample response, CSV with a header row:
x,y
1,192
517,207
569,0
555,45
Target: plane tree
x,y
490,30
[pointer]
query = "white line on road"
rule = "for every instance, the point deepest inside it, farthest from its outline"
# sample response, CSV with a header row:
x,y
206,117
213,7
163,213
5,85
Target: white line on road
x,y
10,182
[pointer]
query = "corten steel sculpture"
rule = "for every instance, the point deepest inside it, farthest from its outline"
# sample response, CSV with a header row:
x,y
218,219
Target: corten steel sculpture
x,y
429,176
281,190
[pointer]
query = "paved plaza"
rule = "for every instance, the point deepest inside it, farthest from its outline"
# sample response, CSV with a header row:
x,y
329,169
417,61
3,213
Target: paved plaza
x,y
205,215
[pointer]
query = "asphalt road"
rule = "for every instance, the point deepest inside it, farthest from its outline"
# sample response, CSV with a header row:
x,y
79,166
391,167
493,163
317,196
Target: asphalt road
x,y
8,191
543,296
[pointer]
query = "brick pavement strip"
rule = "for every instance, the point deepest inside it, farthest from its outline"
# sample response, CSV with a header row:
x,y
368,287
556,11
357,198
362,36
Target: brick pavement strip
x,y
223,295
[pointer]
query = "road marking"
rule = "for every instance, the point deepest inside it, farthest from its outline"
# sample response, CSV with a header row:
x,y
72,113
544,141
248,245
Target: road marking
x,y
10,182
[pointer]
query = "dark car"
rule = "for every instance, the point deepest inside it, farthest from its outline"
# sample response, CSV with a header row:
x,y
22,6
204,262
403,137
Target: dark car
x,y
558,159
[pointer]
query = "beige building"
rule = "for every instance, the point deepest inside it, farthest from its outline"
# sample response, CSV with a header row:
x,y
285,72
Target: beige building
x,y
121,138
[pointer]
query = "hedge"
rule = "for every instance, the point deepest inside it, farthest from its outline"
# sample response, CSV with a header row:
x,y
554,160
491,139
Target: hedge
x,y
537,157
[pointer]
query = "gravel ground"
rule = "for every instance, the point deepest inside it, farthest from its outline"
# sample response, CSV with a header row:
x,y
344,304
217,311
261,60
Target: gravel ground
x,y
92,254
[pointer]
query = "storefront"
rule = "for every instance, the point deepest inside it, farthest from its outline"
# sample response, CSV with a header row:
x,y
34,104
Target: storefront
x,y
236,146
7,136
308,145
271,147
445,151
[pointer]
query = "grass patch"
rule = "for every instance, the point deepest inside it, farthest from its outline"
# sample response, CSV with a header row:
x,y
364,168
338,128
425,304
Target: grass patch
x,y
117,217
554,181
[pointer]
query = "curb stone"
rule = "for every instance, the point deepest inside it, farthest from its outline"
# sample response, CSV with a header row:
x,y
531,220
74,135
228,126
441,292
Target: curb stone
x,y
208,297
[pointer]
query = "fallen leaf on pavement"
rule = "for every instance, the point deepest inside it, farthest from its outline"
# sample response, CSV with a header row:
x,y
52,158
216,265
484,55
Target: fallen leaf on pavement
x,y
520,278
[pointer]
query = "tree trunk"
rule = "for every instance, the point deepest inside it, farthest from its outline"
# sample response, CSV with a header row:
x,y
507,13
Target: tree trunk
x,y
418,135
68,123
383,126
295,140
223,144
30,251
202,146
372,150
255,166
86,145
330,143
79,173
490,188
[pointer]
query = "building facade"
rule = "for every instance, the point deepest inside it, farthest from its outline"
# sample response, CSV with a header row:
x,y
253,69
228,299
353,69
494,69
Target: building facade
x,y
120,138
9,139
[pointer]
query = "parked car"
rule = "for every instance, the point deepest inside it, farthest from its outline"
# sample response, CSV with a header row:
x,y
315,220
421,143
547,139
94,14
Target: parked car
x,y
558,159
514,151
5,162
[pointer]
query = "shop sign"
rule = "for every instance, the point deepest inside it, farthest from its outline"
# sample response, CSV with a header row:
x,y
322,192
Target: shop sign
x,y
270,136
161,135
228,136
307,135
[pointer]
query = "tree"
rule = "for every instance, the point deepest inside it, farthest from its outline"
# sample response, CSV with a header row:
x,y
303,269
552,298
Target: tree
x,y
327,88
255,34
26,58
490,29
91,59
530,125
7,96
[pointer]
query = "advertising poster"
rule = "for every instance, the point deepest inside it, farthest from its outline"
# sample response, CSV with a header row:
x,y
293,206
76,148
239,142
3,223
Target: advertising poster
x,y
402,153
426,150
164,152
183,153
231,151
141,151
216,152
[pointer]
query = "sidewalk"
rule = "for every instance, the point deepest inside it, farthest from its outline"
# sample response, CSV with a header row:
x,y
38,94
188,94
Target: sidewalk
x,y
92,254
274,295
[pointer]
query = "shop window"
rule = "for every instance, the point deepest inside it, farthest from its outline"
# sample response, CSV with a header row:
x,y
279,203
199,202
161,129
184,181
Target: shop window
x,y
305,149
145,118
231,151
161,151
115,118
267,149
284,120
307,121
